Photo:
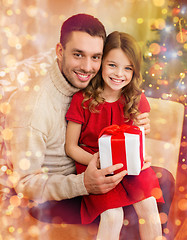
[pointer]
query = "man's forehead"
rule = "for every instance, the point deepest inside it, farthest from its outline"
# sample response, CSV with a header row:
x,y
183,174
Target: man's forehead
x,y
84,42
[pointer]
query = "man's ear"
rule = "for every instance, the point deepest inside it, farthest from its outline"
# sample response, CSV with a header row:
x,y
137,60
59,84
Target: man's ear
x,y
59,51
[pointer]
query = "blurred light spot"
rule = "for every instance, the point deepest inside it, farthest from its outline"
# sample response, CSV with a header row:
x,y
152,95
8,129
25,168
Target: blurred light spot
x,y
9,172
34,231
2,74
184,166
15,201
24,164
154,48
123,19
20,195
141,221
140,20
38,154
16,213
167,145
10,60
32,11
26,88
159,3
182,204
19,230
175,19
177,222
5,107
28,154
9,12
36,88
18,46
13,41
126,222
163,217
22,78
3,168
7,134
159,238
43,72
160,23
11,229
18,11
4,51
181,188
156,192
159,174
45,169
166,230
164,11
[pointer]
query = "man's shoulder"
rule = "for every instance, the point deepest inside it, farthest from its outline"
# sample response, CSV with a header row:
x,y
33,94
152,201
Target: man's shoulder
x,y
20,75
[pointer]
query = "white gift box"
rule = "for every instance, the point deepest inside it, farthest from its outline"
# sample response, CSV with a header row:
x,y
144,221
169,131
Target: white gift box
x,y
123,147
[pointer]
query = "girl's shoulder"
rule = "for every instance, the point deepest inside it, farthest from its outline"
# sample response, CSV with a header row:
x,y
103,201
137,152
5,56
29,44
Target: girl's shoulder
x,y
79,95
143,104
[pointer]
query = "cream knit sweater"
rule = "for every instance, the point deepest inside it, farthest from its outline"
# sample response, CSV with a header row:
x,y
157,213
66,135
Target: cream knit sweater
x,y
41,169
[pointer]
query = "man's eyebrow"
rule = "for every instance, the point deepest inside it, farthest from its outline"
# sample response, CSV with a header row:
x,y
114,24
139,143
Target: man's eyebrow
x,y
77,50
81,51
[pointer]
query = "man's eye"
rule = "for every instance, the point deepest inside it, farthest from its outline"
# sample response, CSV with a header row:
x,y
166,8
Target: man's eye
x,y
96,57
78,55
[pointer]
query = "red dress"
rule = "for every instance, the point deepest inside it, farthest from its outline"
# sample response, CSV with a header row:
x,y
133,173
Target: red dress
x,y
132,188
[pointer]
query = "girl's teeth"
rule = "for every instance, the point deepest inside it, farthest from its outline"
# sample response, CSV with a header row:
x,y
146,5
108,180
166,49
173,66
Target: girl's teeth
x,y
118,81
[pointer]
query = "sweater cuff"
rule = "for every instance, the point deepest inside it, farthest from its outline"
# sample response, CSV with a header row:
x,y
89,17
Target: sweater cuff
x,y
81,189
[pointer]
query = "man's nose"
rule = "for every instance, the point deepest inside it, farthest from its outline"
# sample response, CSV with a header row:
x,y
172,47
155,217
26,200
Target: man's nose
x,y
86,65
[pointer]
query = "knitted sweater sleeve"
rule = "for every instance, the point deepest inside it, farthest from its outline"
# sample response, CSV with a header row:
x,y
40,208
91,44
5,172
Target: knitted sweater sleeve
x,y
33,180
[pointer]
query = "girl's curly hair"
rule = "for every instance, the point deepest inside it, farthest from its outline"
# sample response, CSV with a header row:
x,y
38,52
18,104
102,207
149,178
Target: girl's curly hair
x,y
131,92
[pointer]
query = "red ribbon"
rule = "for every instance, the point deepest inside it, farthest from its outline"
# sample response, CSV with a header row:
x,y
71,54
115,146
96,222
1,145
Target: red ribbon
x,y
118,142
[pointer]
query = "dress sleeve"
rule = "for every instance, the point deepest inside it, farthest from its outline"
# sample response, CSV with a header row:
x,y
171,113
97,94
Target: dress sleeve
x,y
75,112
144,104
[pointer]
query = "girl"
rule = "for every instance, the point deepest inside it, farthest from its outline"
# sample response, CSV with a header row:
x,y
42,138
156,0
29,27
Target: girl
x,y
113,97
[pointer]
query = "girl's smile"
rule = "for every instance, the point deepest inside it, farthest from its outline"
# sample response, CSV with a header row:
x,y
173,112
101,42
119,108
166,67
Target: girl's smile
x,y
117,72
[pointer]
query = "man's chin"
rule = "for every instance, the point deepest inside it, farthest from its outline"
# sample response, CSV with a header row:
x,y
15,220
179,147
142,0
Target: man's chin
x,y
83,85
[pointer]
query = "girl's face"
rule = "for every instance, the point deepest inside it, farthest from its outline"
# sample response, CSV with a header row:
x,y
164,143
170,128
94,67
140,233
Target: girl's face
x,y
117,70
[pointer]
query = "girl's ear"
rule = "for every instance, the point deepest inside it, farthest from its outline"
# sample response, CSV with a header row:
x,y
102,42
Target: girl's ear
x,y
59,51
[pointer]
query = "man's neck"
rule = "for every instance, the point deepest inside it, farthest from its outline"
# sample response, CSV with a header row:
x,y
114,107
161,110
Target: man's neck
x,y
60,67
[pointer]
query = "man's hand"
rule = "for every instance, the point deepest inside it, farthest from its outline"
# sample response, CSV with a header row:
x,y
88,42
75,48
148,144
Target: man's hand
x,y
96,181
143,121
147,162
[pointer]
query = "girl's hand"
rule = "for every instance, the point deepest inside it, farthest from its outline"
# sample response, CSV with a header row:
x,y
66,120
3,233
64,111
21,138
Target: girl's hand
x,y
143,121
147,162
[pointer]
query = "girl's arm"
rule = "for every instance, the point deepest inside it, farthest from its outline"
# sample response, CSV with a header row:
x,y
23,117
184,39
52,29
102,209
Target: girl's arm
x,y
72,148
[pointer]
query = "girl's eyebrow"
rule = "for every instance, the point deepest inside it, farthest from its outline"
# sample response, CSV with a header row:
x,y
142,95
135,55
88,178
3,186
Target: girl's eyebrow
x,y
111,61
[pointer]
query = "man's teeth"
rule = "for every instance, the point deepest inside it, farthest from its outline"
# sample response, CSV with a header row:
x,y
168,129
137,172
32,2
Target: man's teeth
x,y
82,76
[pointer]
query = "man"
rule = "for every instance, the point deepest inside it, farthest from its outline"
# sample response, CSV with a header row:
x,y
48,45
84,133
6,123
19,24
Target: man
x,y
40,166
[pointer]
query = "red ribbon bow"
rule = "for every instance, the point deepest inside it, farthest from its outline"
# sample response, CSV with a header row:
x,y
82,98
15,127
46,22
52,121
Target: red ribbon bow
x,y
116,129
117,142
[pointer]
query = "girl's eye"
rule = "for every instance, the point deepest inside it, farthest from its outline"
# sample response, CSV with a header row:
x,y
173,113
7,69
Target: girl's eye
x,y
112,65
128,69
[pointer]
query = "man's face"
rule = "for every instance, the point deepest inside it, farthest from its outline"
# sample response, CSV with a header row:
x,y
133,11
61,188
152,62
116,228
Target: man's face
x,y
81,58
